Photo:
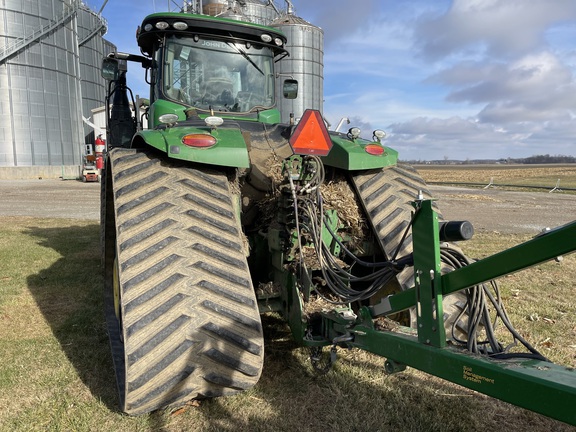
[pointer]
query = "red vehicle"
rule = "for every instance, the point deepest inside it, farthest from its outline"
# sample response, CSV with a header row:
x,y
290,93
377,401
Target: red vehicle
x,y
90,173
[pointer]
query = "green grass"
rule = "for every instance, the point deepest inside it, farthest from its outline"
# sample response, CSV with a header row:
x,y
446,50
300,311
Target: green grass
x,y
56,371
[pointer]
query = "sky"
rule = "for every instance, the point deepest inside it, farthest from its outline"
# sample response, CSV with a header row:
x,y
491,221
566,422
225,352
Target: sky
x,y
446,79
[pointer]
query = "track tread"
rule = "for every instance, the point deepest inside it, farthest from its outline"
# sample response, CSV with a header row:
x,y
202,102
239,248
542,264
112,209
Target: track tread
x,y
386,200
190,321
386,196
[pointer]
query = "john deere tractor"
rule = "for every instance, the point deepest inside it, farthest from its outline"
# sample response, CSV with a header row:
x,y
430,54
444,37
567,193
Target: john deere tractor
x,y
217,213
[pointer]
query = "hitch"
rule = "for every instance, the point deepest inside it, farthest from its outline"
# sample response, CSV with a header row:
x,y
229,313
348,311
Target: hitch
x,y
526,380
316,354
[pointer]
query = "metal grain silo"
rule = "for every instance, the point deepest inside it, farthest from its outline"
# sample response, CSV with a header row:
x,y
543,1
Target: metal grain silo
x,y
305,64
214,7
93,47
261,12
42,69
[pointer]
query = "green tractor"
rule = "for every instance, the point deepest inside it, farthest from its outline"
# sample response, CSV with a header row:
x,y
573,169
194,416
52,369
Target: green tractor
x,y
217,213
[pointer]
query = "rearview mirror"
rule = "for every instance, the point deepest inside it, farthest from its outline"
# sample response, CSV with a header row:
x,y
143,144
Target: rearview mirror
x,y
109,69
290,89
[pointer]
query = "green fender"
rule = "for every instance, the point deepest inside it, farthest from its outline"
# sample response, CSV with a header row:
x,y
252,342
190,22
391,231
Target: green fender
x,y
351,155
230,148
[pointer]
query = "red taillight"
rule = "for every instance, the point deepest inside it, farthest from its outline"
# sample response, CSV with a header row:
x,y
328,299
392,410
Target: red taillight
x,y
198,140
374,149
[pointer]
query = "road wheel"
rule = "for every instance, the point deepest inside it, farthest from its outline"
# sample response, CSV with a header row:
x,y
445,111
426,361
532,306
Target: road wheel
x,y
181,311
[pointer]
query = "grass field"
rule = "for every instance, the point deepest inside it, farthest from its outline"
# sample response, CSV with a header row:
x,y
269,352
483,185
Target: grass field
x,y
521,175
56,371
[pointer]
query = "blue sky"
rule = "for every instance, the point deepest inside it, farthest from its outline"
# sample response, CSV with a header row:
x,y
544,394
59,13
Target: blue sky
x,y
461,79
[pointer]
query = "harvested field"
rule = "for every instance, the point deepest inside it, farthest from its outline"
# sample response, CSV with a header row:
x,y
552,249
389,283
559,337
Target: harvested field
x,y
521,175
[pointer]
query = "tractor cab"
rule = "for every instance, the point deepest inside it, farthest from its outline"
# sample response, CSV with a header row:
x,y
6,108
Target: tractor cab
x,y
209,74
202,66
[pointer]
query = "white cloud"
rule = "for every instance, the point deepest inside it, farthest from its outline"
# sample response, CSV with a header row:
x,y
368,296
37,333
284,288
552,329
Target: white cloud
x,y
501,28
339,19
534,87
463,78
458,138
504,58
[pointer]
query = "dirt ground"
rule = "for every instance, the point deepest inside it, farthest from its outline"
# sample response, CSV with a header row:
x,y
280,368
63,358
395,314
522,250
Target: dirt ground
x,y
50,199
487,209
496,210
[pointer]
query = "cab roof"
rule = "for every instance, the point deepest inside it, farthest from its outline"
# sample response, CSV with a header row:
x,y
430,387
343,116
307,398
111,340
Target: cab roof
x,y
205,26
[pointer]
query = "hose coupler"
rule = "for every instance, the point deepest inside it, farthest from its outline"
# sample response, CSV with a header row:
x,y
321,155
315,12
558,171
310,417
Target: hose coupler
x,y
455,231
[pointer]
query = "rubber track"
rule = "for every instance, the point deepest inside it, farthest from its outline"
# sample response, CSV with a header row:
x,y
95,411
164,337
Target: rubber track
x,y
386,195
190,322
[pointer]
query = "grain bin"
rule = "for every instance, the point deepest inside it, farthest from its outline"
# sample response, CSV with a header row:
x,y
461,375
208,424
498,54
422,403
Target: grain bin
x,y
305,64
50,52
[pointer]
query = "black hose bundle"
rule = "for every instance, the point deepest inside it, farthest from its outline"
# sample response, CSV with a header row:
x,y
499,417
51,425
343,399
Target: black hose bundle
x,y
480,299
310,221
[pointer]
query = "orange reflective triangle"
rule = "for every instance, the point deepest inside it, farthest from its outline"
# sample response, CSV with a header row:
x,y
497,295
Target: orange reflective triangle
x,y
311,136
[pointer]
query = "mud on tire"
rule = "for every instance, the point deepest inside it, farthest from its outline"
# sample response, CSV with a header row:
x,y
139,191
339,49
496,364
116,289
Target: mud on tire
x,y
186,323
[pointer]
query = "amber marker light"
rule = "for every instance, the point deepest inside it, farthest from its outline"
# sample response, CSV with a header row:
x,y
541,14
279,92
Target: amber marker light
x,y
374,149
198,140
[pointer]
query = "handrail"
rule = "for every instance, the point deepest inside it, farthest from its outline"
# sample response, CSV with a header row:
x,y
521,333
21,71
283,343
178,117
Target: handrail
x,y
21,43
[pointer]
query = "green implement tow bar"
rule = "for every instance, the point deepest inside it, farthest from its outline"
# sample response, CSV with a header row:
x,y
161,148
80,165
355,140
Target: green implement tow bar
x,y
537,385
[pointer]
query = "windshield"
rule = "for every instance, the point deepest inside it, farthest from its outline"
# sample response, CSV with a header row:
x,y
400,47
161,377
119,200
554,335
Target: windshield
x,y
222,76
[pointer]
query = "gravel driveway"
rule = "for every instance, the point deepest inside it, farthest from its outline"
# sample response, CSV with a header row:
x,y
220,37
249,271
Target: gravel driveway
x,y
487,209
506,211
50,199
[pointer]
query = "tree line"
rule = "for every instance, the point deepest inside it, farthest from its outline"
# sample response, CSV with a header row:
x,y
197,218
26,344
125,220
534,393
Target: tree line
x,y
547,159
536,159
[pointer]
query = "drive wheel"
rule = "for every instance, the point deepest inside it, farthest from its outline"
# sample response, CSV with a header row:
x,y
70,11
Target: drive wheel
x,y
386,195
181,311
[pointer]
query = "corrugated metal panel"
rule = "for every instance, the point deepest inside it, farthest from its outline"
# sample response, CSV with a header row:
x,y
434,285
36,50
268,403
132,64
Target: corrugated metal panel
x,y
305,64
214,7
91,53
42,85
260,11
